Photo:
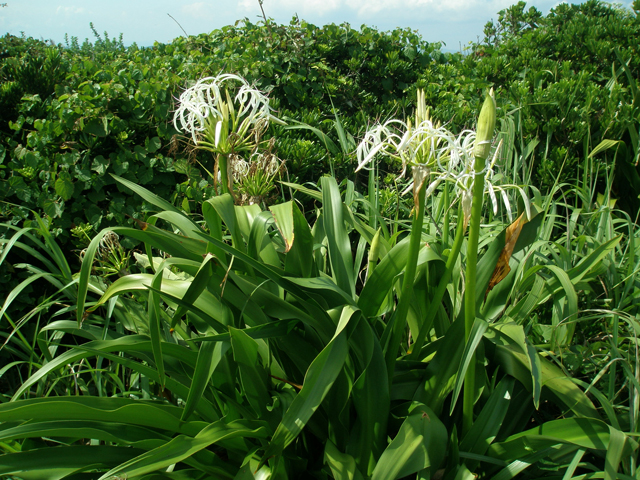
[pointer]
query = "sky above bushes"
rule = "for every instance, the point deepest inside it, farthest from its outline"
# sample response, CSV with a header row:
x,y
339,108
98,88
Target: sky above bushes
x,y
454,22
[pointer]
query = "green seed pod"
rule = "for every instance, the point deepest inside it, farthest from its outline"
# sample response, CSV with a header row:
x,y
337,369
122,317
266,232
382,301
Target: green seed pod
x,y
486,126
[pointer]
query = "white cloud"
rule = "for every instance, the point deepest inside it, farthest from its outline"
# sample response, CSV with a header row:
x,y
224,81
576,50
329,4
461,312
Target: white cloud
x,y
199,10
410,10
368,8
306,8
69,10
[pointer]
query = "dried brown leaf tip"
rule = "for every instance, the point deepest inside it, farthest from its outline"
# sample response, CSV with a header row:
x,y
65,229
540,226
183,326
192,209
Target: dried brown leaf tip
x,y
502,267
142,225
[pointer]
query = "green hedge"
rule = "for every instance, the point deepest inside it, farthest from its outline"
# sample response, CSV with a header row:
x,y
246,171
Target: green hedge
x,y
74,114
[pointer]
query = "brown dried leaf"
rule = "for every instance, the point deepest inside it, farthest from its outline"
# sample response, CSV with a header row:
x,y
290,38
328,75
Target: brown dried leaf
x,y
502,267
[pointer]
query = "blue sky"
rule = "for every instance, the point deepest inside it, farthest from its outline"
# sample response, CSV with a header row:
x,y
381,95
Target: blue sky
x,y
455,22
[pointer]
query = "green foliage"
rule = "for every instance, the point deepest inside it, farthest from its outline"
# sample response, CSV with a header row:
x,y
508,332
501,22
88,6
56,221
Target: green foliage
x,y
110,108
561,74
228,358
309,339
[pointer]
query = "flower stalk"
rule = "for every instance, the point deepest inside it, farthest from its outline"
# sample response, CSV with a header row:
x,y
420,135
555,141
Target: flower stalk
x,y
398,321
440,289
486,127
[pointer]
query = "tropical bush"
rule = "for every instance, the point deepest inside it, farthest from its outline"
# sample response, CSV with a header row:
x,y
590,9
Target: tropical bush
x,y
437,307
570,78
251,343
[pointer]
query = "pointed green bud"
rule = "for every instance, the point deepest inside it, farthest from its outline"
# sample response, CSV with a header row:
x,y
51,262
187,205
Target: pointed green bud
x,y
486,127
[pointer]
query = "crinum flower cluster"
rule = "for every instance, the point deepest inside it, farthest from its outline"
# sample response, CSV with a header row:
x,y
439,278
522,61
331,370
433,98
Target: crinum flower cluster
x,y
434,154
228,125
219,122
424,145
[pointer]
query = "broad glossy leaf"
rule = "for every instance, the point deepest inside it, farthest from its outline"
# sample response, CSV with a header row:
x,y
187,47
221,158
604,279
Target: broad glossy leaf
x,y
57,462
441,370
516,362
198,285
485,428
299,261
179,220
225,208
371,398
205,302
209,355
475,336
253,376
182,447
260,245
85,272
152,198
283,215
245,216
144,413
342,465
587,433
316,195
322,372
337,239
113,431
420,443
382,280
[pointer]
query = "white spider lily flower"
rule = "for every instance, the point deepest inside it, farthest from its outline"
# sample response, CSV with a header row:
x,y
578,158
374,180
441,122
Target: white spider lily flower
x,y
441,156
428,148
206,108
425,144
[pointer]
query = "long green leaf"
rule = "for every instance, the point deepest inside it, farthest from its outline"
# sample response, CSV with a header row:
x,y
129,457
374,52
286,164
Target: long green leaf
x,y
58,462
253,376
342,465
183,447
337,239
421,443
209,356
322,372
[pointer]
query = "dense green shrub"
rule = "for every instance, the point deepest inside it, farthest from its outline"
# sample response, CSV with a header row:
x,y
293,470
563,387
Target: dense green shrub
x,y
107,109
562,72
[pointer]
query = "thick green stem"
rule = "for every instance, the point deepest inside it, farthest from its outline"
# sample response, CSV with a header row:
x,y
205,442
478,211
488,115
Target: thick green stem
x,y
225,181
445,225
373,198
470,289
434,305
399,319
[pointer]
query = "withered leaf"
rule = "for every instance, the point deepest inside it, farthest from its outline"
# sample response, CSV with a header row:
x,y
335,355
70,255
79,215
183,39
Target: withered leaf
x,y
502,267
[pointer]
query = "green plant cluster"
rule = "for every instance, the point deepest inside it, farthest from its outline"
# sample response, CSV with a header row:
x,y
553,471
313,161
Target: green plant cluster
x,y
321,336
193,335
80,112
570,80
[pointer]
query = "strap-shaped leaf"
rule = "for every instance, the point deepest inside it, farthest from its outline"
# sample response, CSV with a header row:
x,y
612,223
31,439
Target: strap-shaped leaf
x,y
420,443
141,413
56,463
183,447
337,239
322,372
225,208
253,376
489,421
475,336
342,465
209,355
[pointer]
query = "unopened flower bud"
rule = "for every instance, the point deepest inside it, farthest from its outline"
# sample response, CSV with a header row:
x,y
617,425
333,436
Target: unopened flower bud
x,y
486,127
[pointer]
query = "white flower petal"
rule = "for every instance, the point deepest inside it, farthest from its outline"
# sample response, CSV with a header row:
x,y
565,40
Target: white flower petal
x,y
507,204
218,130
492,195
